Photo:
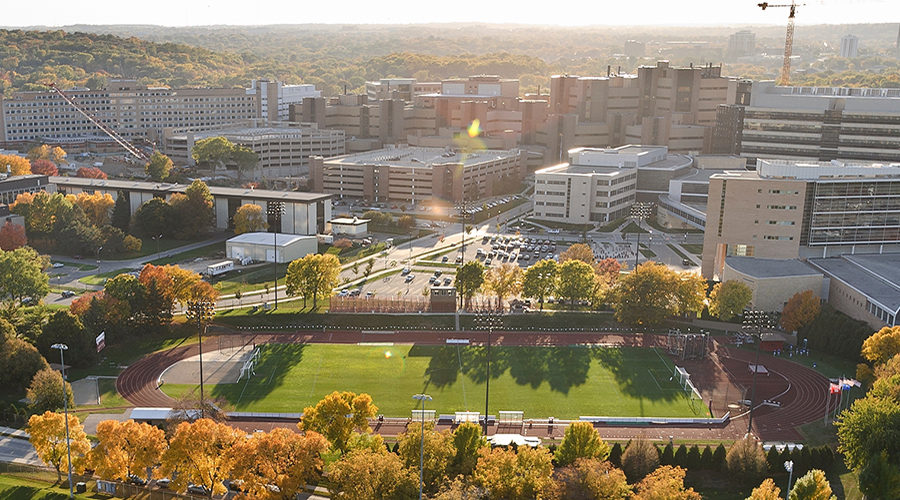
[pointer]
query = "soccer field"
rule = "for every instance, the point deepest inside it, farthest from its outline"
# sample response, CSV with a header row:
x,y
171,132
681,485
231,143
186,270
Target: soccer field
x,y
563,382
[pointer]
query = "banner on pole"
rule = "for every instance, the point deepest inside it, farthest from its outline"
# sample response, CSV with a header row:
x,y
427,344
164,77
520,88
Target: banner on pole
x,y
101,341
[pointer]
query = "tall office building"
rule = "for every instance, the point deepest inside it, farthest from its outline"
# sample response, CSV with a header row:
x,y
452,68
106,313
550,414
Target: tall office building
x,y
788,209
741,44
849,46
274,98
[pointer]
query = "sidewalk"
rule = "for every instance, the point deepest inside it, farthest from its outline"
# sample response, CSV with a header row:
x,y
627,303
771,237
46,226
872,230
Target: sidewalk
x,y
16,433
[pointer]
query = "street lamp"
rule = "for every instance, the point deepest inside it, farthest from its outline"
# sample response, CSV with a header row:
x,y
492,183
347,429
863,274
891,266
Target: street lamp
x,y
62,362
275,210
789,467
640,211
422,398
488,319
756,320
157,238
201,311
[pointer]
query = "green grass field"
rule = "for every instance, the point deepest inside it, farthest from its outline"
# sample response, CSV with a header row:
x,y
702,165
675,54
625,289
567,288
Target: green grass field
x,y
564,382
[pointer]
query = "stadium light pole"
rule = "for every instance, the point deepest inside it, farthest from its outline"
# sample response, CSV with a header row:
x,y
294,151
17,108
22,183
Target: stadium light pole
x,y
789,467
757,320
275,210
422,398
62,362
488,319
202,311
640,211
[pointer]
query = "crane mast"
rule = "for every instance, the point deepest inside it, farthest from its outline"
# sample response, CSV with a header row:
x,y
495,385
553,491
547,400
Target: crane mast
x,y
785,77
121,141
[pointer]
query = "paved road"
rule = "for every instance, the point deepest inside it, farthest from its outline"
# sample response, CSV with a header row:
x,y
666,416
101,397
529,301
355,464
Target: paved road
x,y
18,451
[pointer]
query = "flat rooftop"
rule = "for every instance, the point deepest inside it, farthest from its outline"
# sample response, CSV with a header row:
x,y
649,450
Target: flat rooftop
x,y
254,133
877,276
421,157
770,268
164,188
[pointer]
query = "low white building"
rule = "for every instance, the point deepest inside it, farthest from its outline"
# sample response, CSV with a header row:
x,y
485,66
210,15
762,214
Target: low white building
x,y
281,248
353,227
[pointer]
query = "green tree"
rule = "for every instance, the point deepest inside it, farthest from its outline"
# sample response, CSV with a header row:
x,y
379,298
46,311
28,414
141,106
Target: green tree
x,y
121,213
154,217
880,478
21,276
158,167
212,152
438,452
503,281
870,427
406,222
800,310
337,415
249,218
193,210
469,279
639,459
746,460
539,280
728,299
653,292
19,361
575,281
45,393
467,440
312,275
244,158
812,486
64,327
581,440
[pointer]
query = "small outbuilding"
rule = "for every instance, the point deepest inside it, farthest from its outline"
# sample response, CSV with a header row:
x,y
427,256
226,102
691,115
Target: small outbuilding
x,y
270,247
351,227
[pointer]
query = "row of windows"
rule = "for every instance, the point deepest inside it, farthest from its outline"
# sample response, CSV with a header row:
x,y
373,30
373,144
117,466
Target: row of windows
x,y
878,312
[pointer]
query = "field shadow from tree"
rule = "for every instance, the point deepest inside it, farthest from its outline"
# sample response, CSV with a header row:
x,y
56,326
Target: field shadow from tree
x,y
632,373
560,367
275,363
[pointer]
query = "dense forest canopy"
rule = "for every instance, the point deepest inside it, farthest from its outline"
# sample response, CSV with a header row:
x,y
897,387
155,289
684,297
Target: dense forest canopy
x,y
333,57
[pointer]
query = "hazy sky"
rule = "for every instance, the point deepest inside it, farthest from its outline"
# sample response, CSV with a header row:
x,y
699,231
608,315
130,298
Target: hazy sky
x,y
562,12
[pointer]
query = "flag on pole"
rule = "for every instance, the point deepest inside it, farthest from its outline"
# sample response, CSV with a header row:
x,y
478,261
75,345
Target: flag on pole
x,y
834,389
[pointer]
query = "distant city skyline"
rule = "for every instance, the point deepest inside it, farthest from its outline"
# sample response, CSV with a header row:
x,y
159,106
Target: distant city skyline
x,y
564,13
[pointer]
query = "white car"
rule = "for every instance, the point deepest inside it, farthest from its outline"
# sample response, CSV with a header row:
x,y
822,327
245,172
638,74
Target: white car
x,y
57,265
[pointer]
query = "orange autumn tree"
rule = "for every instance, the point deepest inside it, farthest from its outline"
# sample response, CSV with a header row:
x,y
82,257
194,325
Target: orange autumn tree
x,y
280,457
125,449
44,167
800,310
12,236
200,454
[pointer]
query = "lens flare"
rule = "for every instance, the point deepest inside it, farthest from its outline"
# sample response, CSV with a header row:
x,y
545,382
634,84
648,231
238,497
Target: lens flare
x,y
387,354
475,128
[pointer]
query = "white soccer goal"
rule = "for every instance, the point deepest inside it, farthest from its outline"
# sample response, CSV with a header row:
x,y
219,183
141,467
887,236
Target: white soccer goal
x,y
249,368
684,380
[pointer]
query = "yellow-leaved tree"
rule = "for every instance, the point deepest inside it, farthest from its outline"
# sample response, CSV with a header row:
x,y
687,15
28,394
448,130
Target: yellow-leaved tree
x,y
280,457
97,207
126,448
882,345
15,165
249,218
508,474
48,436
200,454
337,415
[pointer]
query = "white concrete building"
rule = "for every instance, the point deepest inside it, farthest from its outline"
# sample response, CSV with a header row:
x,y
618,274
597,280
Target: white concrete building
x,y
275,98
270,247
600,185
353,227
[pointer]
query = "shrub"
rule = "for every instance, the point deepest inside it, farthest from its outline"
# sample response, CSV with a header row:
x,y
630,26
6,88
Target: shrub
x,y
640,458
746,460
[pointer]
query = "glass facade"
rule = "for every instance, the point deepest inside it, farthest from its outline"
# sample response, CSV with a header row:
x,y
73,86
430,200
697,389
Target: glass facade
x,y
855,212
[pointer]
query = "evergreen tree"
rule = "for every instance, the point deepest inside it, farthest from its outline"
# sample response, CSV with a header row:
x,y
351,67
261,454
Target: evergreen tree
x,y
121,214
706,458
668,455
615,455
719,457
693,458
681,456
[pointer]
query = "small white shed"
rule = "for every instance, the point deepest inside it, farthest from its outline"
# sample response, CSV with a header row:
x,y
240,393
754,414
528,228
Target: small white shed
x,y
269,247
352,227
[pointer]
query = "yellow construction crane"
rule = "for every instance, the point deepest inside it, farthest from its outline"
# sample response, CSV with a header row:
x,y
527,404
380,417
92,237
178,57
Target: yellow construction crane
x,y
785,77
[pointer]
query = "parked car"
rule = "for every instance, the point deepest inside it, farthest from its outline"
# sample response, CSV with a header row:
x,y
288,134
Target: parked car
x,y
197,489
409,277
67,293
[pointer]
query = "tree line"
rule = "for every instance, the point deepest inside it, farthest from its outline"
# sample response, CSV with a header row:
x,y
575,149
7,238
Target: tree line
x,y
456,463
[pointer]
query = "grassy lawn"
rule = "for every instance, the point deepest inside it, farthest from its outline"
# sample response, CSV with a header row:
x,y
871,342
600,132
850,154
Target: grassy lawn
x,y
677,251
100,279
542,381
611,226
694,248
655,225
646,252
14,488
204,251
633,228
493,212
561,225
249,279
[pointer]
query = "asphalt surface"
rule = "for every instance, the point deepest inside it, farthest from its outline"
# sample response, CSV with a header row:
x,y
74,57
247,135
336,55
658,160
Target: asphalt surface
x,y
18,451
